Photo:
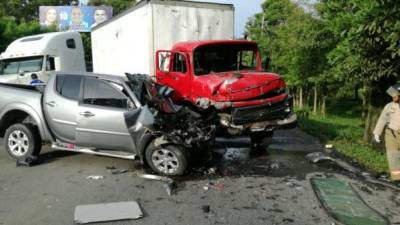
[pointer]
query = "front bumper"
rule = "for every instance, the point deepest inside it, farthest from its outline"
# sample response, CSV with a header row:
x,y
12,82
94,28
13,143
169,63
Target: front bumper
x,y
260,118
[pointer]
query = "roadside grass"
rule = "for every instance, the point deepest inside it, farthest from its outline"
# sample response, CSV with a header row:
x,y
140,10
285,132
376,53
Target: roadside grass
x,y
342,126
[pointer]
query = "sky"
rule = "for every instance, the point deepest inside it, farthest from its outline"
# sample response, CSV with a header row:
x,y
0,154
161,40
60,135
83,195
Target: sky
x,y
243,10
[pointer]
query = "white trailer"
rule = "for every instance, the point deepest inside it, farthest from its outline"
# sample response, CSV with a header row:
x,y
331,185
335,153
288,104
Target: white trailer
x,y
129,41
42,54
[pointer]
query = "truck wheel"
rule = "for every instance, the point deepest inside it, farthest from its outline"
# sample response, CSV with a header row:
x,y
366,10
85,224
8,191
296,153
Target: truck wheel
x,y
169,160
261,140
22,140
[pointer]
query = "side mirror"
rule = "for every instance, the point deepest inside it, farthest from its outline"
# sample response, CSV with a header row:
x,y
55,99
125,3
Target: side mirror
x,y
266,63
163,61
21,73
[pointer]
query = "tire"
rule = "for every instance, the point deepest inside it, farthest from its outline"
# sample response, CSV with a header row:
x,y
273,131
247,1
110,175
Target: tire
x,y
261,140
22,140
168,160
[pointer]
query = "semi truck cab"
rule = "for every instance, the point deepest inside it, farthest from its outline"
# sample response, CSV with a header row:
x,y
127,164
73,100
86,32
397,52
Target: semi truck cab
x,y
42,54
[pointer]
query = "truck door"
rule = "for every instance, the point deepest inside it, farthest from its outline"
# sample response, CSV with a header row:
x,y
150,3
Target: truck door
x,y
177,75
101,122
61,106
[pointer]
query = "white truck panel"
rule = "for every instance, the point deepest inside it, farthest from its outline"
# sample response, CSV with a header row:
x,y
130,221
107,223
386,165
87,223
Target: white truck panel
x,y
123,46
129,41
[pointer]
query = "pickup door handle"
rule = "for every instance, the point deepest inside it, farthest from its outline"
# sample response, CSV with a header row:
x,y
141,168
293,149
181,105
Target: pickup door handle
x,y
86,114
51,104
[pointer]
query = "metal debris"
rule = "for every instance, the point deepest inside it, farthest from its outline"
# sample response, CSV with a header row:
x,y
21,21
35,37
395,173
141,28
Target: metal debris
x,y
29,161
95,177
316,157
107,212
206,208
169,185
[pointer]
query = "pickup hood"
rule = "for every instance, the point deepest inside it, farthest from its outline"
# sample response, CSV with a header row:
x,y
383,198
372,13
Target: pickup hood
x,y
237,86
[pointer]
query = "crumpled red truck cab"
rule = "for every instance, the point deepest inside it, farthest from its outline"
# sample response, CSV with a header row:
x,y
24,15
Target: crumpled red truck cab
x,y
227,78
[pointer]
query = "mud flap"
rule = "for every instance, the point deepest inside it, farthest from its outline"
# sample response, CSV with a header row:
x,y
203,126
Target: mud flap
x,y
345,205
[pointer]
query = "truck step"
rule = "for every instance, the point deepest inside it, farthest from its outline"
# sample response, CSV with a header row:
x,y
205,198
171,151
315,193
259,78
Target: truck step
x,y
108,153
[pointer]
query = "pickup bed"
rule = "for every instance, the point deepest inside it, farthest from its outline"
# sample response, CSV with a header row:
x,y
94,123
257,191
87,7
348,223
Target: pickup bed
x,y
126,117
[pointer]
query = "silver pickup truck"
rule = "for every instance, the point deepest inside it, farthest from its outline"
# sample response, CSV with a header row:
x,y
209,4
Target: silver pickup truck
x,y
125,117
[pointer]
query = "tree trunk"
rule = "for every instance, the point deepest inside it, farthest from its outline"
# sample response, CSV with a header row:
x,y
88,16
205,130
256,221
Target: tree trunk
x,y
373,112
301,97
315,104
364,100
323,106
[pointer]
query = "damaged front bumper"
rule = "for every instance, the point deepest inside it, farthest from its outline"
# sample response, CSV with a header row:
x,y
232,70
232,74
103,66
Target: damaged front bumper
x,y
278,115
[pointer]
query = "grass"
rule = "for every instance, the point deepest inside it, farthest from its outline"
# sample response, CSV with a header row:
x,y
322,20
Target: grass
x,y
343,127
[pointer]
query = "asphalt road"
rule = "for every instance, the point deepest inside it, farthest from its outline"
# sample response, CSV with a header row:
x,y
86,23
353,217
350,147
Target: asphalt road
x,y
267,189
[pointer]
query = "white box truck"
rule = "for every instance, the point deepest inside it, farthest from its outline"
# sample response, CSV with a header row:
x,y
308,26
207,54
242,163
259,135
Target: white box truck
x,y
129,41
42,54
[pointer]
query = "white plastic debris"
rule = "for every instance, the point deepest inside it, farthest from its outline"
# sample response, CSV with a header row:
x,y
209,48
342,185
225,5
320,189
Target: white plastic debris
x,y
95,177
107,212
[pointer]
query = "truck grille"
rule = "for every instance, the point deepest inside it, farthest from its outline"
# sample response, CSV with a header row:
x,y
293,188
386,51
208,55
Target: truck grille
x,y
259,113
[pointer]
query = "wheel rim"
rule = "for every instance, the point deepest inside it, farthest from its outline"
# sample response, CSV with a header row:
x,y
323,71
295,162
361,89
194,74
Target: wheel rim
x,y
165,161
18,143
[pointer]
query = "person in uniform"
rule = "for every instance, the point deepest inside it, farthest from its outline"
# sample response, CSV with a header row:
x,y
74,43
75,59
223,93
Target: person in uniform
x,y
390,121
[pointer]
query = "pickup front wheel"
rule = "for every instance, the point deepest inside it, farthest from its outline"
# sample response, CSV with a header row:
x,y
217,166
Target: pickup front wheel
x,y
22,140
169,160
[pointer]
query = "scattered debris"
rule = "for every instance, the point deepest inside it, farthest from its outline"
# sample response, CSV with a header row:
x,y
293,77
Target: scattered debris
x,y
205,188
342,203
274,166
206,208
316,157
29,161
212,170
169,185
328,146
107,212
95,177
218,187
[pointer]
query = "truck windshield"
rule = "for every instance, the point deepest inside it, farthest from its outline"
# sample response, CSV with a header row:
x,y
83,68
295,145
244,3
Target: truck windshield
x,y
224,58
27,64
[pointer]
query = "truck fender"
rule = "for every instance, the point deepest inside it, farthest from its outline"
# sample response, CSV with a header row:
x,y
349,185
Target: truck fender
x,y
38,118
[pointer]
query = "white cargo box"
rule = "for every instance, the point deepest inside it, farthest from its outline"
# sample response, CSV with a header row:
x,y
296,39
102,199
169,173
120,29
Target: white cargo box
x,y
129,41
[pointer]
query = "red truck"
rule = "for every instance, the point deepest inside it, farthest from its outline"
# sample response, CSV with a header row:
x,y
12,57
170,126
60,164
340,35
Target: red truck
x,y
226,81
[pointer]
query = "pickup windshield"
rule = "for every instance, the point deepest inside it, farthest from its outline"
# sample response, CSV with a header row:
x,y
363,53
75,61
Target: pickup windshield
x,y
224,58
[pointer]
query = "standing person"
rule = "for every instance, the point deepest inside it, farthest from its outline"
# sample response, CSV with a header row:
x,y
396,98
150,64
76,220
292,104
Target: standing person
x,y
390,119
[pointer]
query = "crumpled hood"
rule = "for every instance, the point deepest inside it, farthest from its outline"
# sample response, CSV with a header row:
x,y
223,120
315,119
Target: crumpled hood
x,y
237,86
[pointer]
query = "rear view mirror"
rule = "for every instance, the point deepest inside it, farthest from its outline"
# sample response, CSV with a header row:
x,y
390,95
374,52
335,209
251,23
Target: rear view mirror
x,y
163,61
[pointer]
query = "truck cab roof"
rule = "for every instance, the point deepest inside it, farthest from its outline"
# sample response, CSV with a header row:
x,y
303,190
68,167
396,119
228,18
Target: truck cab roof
x,y
190,46
39,44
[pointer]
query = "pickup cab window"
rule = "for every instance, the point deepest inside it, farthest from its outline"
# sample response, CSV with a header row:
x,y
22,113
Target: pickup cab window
x,y
101,93
69,86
